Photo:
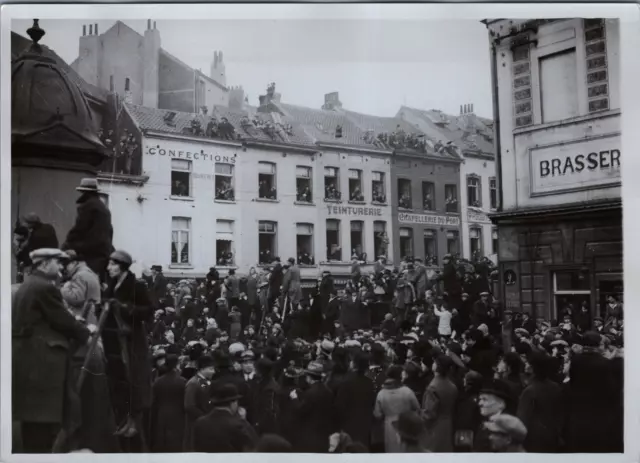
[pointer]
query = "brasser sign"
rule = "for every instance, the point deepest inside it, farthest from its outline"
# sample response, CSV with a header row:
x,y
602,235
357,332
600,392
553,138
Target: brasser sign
x,y
574,166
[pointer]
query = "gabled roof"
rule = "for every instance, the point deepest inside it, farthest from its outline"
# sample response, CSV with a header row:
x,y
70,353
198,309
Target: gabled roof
x,y
469,131
321,125
154,120
20,44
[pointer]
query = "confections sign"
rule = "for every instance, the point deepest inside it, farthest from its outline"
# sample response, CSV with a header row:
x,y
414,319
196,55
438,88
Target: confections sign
x,y
188,154
429,219
576,165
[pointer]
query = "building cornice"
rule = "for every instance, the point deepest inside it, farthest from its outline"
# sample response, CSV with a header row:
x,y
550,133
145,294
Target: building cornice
x,y
281,146
353,148
199,140
545,214
427,157
568,122
136,180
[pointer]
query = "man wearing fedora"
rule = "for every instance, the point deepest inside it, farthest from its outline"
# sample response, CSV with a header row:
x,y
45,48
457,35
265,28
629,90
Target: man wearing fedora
x,y
92,235
223,430
158,289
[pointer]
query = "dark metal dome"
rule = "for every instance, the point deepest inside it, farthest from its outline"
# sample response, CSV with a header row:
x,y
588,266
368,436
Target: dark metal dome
x,y
50,116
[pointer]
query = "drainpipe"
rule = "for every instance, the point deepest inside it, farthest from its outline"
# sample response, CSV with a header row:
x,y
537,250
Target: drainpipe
x,y
496,120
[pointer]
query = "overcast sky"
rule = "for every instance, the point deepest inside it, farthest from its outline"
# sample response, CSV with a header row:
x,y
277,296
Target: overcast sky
x,y
376,66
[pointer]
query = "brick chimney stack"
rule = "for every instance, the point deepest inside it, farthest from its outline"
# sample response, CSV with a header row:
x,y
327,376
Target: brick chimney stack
x,y
150,65
89,55
332,101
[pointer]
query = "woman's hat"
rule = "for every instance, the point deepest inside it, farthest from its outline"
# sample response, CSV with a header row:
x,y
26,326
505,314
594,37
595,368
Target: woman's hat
x,y
224,394
121,257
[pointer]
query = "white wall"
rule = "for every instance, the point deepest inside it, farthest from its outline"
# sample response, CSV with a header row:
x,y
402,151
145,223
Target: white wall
x,y
485,169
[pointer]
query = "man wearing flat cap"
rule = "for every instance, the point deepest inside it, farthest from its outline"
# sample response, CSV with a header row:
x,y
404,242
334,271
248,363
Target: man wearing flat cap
x,y
44,333
506,434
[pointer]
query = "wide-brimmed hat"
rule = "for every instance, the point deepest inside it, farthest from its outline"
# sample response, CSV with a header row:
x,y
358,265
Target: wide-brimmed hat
x,y
224,394
409,425
88,184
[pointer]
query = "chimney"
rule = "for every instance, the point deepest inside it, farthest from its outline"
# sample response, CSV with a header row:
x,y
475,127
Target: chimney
x,y
217,71
332,101
237,98
150,66
89,57
271,95
95,29
461,110
128,97
111,85
471,108
154,25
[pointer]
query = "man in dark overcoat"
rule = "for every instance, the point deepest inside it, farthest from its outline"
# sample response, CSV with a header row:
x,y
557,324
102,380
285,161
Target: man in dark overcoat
x,y
167,410
158,289
92,234
223,430
314,412
41,235
43,336
275,281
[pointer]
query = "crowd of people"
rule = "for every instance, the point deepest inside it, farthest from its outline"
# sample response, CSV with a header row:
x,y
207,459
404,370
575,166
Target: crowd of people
x,y
400,360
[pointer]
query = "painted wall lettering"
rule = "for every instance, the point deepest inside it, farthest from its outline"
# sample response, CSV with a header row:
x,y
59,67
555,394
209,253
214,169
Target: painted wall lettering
x,y
159,150
354,211
429,219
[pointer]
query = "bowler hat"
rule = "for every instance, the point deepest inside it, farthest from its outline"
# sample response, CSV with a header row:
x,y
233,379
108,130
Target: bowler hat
x,y
224,394
409,425
88,184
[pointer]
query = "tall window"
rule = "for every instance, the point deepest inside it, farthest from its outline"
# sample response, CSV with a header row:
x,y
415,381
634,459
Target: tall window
x,y
267,180
451,198
378,188
558,84
406,242
334,251
404,193
355,185
475,240
494,241
571,288
430,247
332,183
493,193
180,235
453,242
474,191
304,190
597,66
224,242
224,182
357,240
428,196
180,177
380,239
267,241
304,243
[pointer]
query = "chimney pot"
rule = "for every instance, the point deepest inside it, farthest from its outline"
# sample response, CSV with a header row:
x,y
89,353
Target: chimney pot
x,y
148,24
95,29
154,25
461,110
90,29
84,30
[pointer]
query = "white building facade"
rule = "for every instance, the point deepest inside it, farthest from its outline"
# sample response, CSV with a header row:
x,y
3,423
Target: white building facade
x,y
559,161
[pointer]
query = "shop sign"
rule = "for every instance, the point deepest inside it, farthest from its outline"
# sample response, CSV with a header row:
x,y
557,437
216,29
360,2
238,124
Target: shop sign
x,y
189,154
477,217
575,165
429,219
354,211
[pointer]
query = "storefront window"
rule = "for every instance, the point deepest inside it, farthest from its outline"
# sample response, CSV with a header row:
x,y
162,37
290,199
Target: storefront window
x,y
430,248
304,243
334,251
224,242
267,239
380,239
453,244
357,244
571,289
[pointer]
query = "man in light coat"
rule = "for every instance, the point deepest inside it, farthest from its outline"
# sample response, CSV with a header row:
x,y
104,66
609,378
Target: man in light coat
x,y
82,286
291,285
